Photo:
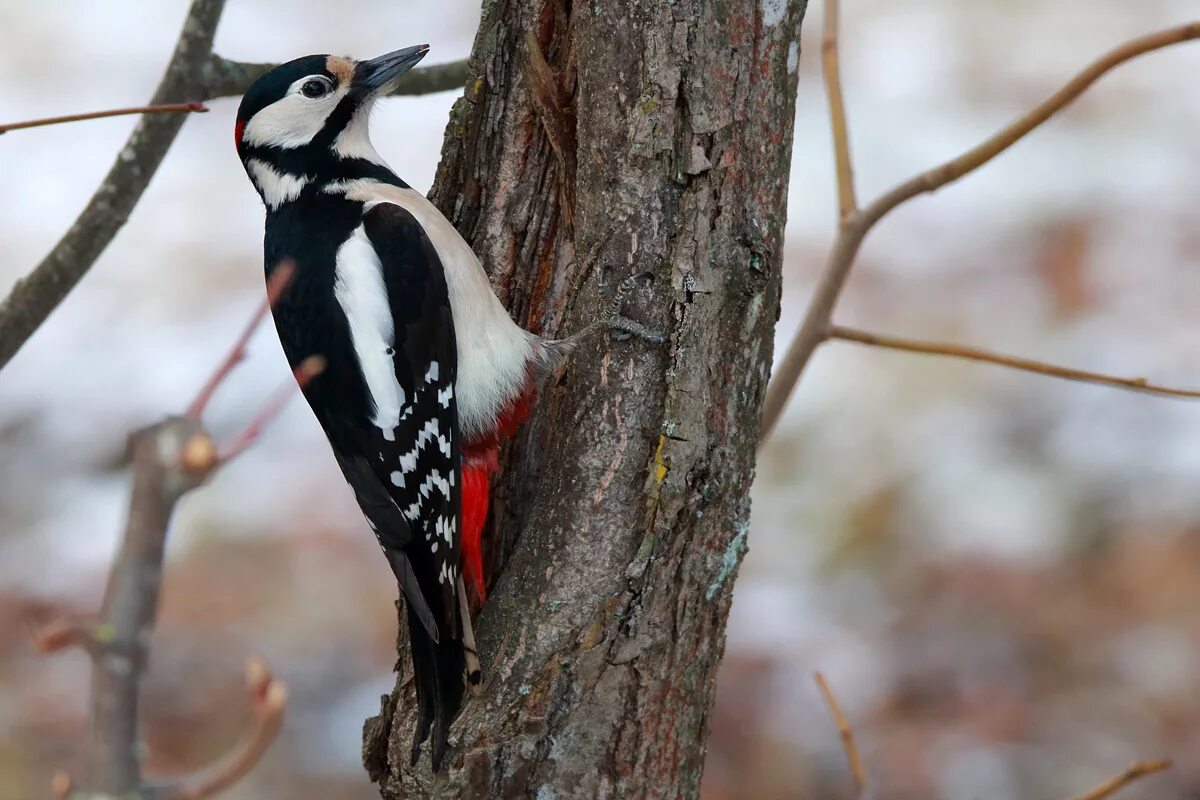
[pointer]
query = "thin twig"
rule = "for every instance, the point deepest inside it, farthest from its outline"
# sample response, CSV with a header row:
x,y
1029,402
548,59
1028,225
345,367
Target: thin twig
x,y
63,633
855,228
268,698
1138,769
280,278
61,785
1014,362
830,62
226,78
166,108
33,297
847,733
309,368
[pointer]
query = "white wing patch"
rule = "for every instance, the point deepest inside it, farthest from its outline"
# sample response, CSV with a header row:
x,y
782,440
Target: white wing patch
x,y
494,353
359,289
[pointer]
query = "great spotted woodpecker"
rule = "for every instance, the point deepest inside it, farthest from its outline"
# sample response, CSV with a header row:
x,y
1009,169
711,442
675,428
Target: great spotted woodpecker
x,y
425,372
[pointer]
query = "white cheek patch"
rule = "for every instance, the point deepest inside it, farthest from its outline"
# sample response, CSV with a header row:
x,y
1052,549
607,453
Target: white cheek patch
x,y
277,187
293,121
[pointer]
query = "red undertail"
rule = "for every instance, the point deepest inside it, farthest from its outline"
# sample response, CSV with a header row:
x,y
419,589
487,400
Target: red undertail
x,y
475,485
480,460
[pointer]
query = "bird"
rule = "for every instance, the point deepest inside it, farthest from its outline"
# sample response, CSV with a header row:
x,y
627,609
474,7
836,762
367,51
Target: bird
x,y
425,373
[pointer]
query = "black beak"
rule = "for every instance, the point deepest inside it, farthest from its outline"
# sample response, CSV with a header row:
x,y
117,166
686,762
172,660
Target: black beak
x,y
379,73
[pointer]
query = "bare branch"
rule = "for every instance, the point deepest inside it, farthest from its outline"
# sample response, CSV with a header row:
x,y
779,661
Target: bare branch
x,y
847,733
204,455
855,228
225,78
278,282
61,785
1013,362
63,633
166,108
309,368
160,477
35,296
847,201
268,698
169,460
1137,770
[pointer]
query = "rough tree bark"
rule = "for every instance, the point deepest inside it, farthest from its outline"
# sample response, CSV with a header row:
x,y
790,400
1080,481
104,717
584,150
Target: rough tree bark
x,y
596,141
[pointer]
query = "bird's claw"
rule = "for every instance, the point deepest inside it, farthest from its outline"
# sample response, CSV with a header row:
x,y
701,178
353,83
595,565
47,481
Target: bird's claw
x,y
622,326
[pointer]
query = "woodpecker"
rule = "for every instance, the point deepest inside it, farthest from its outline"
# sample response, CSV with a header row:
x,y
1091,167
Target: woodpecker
x,y
426,373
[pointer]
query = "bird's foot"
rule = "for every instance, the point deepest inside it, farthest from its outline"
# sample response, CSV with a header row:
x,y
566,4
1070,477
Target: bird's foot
x,y
621,326
614,321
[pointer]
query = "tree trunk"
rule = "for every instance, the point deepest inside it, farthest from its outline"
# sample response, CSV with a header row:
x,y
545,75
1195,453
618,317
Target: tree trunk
x,y
596,142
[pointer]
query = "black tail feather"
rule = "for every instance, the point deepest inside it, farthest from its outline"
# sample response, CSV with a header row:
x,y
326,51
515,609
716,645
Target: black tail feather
x,y
438,669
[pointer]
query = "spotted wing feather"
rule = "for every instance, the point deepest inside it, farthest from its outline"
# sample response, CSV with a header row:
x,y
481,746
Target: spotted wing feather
x,y
419,461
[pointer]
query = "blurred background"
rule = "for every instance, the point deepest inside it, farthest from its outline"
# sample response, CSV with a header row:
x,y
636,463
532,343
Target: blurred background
x,y
998,573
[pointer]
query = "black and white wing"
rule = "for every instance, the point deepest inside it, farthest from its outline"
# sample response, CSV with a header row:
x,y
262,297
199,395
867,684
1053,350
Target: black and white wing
x,y
400,452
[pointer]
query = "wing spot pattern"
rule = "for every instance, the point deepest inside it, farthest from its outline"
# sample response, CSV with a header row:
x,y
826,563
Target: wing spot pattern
x,y
430,431
434,478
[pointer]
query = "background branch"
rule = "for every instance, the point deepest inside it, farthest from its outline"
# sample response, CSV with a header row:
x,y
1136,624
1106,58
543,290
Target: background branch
x,y
278,282
1139,769
268,699
166,108
846,731
225,78
194,73
33,298
63,633
1013,362
831,67
857,225
160,477
169,459
309,368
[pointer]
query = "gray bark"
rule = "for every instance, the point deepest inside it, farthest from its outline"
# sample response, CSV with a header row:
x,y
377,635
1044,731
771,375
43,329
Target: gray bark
x,y
598,141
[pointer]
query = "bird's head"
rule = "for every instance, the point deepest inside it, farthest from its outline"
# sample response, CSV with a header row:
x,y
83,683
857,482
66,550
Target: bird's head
x,y
305,122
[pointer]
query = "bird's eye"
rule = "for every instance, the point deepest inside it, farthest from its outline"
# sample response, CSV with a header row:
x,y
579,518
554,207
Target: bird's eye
x,y
317,87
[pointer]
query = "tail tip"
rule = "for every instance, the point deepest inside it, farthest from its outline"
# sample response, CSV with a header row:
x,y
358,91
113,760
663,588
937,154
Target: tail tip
x,y
437,751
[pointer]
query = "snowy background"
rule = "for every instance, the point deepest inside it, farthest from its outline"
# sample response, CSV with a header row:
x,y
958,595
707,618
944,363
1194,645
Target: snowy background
x,y
999,573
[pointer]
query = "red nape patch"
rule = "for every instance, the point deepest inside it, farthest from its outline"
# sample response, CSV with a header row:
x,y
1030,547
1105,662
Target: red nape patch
x,y
237,132
475,486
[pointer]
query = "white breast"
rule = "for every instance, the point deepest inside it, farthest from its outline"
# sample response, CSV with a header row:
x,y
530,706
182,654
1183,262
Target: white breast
x,y
494,353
